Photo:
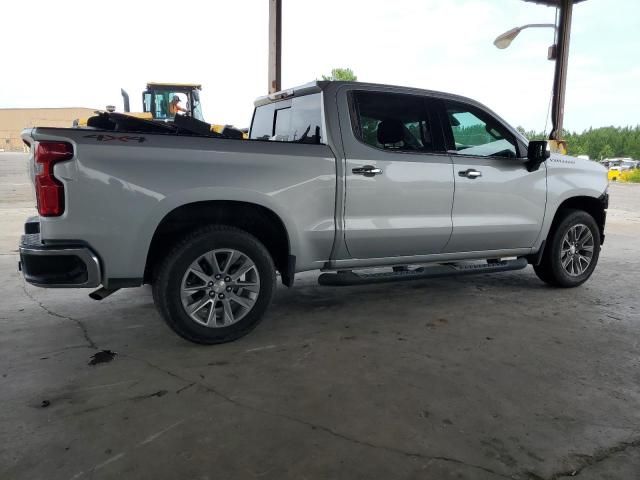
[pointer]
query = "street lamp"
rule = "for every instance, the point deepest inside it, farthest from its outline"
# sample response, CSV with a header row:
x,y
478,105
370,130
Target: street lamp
x,y
504,40
558,52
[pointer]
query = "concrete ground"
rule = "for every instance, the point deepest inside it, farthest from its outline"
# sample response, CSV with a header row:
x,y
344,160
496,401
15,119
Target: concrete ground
x,y
482,377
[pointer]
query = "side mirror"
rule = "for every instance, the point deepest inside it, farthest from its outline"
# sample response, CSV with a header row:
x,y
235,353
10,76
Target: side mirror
x,y
537,152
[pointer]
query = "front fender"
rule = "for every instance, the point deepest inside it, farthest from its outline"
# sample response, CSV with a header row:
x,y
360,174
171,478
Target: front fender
x,y
569,178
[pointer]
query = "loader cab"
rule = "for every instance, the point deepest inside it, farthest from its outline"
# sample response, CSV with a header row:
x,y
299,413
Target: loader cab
x,y
156,99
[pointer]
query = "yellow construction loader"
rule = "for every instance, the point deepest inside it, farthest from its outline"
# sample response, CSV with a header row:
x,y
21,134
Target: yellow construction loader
x,y
161,101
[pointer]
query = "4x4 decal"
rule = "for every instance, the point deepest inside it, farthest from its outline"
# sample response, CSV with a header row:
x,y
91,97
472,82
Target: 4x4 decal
x,y
121,138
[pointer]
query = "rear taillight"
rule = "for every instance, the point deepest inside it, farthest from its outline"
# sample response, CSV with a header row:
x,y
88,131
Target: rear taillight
x,y
49,190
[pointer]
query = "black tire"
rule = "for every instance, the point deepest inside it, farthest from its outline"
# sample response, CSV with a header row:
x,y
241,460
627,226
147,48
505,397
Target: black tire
x,y
167,283
550,269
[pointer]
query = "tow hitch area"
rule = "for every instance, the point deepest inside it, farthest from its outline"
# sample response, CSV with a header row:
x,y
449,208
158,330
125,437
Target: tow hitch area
x,y
348,277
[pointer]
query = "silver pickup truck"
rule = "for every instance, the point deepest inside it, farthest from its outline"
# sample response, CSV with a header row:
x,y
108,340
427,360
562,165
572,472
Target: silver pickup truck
x,y
368,183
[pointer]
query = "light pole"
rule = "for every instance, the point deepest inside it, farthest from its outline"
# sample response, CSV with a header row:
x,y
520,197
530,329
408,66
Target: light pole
x,y
558,52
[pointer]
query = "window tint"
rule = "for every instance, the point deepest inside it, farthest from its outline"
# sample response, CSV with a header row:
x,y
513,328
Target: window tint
x,y
282,124
393,121
306,119
262,125
296,120
476,133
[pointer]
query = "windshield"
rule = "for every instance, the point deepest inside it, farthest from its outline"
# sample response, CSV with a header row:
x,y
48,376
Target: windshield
x,y
165,104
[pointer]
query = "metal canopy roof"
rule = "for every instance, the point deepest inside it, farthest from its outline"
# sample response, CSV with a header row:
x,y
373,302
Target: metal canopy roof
x,y
551,3
169,84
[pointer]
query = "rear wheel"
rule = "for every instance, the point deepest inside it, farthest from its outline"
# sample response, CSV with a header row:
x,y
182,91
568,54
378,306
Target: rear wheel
x,y
215,285
572,250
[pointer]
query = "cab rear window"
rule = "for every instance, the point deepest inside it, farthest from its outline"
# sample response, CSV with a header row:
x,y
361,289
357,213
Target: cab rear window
x,y
298,120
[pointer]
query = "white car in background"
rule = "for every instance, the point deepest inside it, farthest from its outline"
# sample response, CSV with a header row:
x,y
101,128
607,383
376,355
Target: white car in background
x,y
620,164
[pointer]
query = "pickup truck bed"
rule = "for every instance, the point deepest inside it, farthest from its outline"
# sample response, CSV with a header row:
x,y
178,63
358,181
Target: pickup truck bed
x,y
147,180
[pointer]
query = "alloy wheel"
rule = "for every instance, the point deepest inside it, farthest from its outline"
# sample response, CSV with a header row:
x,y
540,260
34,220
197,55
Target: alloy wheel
x,y
220,288
577,248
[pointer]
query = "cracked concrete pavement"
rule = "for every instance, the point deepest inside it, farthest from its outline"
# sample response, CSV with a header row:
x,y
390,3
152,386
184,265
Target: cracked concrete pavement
x,y
474,378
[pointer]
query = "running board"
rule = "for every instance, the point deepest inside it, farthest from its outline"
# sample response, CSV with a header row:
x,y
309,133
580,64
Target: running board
x,y
349,277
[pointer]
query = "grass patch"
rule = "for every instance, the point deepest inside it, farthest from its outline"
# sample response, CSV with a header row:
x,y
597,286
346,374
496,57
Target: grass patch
x,y
632,176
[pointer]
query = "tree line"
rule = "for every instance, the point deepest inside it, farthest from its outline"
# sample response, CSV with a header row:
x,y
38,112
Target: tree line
x,y
598,143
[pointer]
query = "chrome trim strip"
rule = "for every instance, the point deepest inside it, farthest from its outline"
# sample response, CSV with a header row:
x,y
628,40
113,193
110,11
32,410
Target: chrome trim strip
x,y
422,259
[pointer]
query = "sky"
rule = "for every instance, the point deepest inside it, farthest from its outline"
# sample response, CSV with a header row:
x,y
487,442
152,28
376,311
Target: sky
x,y
78,53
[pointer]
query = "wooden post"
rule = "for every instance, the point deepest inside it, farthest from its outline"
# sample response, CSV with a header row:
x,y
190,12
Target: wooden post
x,y
275,45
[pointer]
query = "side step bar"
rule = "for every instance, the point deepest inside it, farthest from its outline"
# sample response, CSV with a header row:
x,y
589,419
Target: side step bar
x,y
349,277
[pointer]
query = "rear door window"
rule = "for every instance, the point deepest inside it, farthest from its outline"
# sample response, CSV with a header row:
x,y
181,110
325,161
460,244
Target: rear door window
x,y
393,122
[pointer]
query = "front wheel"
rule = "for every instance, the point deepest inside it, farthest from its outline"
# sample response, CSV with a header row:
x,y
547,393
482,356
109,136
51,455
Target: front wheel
x,y
572,251
215,285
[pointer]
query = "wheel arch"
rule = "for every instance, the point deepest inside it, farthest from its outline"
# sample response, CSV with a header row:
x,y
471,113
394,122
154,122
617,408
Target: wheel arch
x,y
257,220
596,207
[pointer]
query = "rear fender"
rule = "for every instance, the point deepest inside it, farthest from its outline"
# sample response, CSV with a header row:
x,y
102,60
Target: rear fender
x,y
186,197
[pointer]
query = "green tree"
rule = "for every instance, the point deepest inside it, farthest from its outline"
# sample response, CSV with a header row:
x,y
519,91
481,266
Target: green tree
x,y
606,152
341,74
597,143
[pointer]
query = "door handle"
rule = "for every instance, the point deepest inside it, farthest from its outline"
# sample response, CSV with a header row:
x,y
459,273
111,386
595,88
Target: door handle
x,y
470,173
367,171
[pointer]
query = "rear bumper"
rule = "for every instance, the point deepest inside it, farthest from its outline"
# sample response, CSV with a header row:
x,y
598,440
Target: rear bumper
x,y
57,265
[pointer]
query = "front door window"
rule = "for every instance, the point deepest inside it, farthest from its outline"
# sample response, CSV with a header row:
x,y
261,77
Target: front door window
x,y
475,133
